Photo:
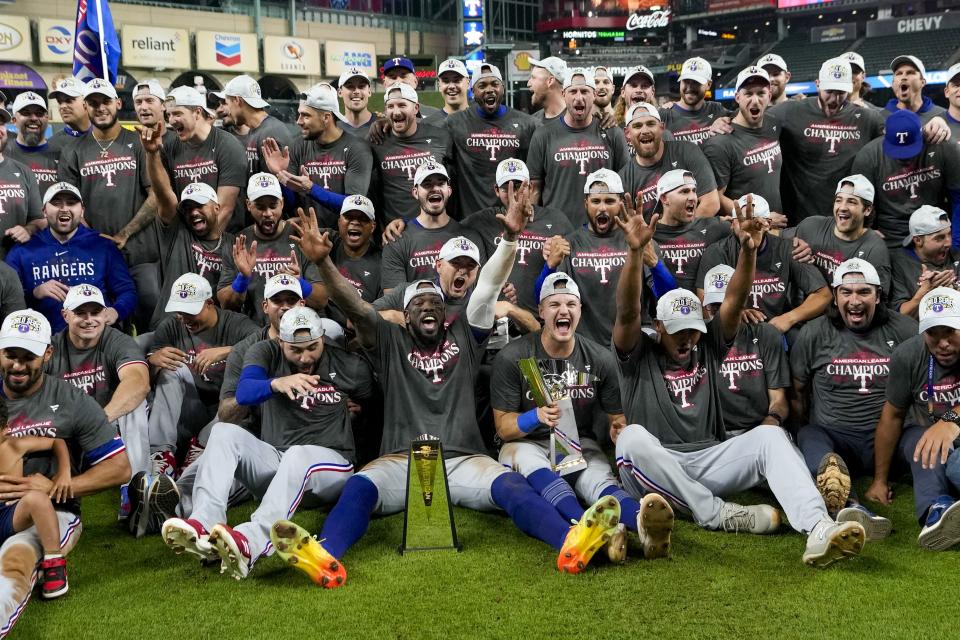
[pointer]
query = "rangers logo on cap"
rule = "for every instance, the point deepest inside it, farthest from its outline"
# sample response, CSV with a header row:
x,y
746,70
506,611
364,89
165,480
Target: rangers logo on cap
x,y
284,279
682,306
301,320
86,291
720,280
358,201
836,72
186,290
25,324
939,304
511,166
191,189
265,182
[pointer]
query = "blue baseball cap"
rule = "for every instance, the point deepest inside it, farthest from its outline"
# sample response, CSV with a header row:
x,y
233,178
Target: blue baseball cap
x,y
903,138
393,63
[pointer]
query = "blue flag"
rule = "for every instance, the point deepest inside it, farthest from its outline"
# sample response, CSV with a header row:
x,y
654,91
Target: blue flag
x,y
90,42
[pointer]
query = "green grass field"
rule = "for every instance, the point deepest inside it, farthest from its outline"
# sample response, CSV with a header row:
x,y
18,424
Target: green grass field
x,y
504,585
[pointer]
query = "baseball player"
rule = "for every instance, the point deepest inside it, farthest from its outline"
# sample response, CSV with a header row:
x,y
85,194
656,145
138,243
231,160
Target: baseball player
x,y
926,260
305,447
676,443
429,373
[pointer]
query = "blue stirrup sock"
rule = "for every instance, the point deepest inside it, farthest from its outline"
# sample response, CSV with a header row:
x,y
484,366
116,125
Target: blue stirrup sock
x,y
532,514
350,517
557,492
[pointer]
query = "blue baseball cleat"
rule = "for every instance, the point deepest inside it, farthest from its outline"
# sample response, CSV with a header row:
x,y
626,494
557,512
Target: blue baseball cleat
x,y
942,529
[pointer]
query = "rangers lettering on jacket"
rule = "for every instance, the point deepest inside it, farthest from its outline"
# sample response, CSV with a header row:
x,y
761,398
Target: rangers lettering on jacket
x,y
44,272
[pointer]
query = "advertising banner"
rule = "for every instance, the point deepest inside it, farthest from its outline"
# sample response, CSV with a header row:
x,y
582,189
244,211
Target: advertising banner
x,y
290,55
155,47
220,51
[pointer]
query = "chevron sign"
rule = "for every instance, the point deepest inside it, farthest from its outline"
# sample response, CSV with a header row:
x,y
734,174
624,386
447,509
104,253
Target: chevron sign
x,y
227,49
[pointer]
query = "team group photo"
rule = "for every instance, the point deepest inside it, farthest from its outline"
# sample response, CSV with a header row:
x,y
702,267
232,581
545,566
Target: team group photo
x,y
492,318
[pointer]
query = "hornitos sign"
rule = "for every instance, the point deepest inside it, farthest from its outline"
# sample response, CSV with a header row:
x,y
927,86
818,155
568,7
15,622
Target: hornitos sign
x,y
655,20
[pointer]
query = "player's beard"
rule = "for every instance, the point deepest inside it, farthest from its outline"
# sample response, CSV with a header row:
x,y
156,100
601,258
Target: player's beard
x,y
106,126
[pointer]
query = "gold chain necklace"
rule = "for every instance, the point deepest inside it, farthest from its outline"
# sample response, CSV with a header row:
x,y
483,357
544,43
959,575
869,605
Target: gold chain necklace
x,y
104,149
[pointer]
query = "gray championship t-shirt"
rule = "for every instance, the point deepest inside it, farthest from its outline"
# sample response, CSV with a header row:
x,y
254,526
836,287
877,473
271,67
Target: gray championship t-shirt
x,y
480,143
748,161
692,126
395,164
229,329
595,263
529,260
562,157
19,199
95,371
778,281
113,188
641,182
429,391
682,247
343,166
829,251
270,127
903,186
818,151
847,371
906,269
320,417
756,363
589,376
42,161
909,366
414,255
679,405
11,291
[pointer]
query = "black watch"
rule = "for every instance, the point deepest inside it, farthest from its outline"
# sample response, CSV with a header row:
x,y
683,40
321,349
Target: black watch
x,y
951,416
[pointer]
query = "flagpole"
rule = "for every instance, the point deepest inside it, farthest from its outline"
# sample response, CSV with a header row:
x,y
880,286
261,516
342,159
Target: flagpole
x,y
103,42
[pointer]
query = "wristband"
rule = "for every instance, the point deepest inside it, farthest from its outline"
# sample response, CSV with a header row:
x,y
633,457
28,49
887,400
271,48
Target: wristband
x,y
777,417
240,284
305,287
528,421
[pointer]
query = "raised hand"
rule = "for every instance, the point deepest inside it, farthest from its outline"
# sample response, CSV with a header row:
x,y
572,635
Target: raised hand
x,y
245,259
515,219
635,230
276,159
151,138
555,249
316,246
299,183
751,229
293,268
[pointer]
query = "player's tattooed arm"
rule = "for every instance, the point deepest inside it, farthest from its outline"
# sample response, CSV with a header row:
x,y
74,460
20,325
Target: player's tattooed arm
x,y
159,179
638,234
148,211
316,246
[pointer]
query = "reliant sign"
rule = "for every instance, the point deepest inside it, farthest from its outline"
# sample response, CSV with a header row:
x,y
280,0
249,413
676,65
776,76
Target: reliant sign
x,y
655,20
155,47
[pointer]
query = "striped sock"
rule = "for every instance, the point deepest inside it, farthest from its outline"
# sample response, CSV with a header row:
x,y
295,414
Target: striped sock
x,y
557,492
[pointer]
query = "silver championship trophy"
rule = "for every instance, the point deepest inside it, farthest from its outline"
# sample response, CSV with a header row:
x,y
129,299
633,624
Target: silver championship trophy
x,y
549,383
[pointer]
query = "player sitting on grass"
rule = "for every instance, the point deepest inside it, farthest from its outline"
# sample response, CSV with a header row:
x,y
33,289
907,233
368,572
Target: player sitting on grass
x,y
35,507
429,372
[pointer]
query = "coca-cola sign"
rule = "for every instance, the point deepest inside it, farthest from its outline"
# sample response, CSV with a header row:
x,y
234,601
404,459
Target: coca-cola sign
x,y
655,20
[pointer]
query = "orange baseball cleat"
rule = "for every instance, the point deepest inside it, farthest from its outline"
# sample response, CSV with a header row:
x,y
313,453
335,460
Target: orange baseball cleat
x,y
297,547
596,527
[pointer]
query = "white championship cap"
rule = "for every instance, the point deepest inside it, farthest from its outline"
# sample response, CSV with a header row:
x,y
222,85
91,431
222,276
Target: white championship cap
x,y
558,282
939,308
26,99
199,192
281,282
926,219
188,294
854,58
554,66
715,283
639,70
454,65
420,287
952,72
751,73
486,70
862,188
512,169
247,89
680,309
60,187
696,69
585,79
673,179
641,110
188,97
406,92
152,87
69,87
899,61
101,87
82,294
459,247
836,75
772,59
322,97
26,329
856,265
605,176
263,184
427,169
333,332
358,203
300,324
761,208
352,72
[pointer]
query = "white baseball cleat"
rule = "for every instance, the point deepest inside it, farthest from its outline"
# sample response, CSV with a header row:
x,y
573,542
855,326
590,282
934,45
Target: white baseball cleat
x,y
188,536
753,518
233,549
876,527
832,541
